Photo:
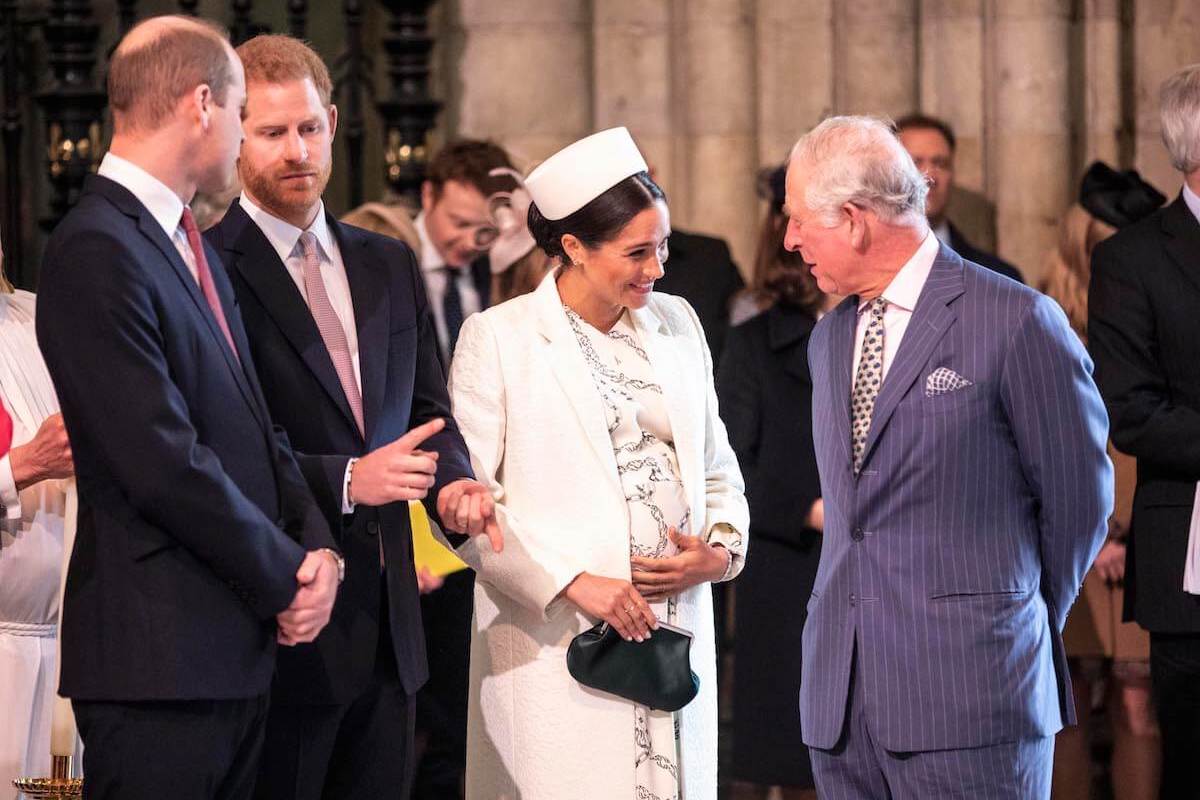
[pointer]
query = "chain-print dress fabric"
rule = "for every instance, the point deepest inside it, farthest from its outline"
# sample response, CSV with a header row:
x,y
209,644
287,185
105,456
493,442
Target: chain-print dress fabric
x,y
649,472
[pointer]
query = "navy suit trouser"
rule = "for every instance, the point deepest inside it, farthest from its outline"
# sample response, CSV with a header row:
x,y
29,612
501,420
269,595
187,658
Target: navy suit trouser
x,y
859,768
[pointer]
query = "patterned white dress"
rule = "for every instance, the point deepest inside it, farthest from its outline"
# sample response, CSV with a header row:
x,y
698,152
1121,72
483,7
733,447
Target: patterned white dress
x,y
649,472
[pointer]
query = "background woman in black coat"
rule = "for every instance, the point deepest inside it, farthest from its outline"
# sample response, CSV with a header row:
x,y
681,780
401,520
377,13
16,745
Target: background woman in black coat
x,y
765,394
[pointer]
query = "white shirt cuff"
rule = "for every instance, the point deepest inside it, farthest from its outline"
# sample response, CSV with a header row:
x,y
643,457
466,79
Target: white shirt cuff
x,y
347,506
9,495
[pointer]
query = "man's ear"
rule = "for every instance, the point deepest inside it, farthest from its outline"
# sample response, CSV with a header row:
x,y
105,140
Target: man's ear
x,y
860,234
200,105
428,196
332,121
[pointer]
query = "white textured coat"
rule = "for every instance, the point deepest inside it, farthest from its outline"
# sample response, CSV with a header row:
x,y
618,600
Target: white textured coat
x,y
533,420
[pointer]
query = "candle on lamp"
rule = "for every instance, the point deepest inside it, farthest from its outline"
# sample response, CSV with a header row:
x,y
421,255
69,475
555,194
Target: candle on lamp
x,y
62,723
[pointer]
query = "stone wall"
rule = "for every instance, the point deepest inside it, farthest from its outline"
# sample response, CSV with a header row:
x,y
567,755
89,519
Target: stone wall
x,y
713,89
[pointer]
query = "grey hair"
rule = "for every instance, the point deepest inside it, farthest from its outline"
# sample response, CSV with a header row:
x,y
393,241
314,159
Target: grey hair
x,y
859,160
1179,111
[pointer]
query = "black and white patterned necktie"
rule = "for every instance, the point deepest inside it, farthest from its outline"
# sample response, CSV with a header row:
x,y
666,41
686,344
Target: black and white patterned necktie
x,y
867,382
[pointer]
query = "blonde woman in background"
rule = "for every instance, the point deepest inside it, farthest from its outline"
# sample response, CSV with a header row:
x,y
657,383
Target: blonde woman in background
x,y
1099,645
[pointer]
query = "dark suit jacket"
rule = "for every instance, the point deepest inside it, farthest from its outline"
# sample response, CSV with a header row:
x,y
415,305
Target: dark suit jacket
x,y
700,270
402,386
969,252
766,401
1144,332
181,562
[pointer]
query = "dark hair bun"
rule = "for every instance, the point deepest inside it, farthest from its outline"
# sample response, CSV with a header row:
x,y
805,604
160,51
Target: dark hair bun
x,y
600,221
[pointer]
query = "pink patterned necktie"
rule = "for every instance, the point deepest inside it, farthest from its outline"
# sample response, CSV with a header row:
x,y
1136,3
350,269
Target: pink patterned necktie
x,y
204,277
330,326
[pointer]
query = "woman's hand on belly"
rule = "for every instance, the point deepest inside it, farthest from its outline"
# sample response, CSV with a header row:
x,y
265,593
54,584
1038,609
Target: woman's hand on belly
x,y
614,601
697,562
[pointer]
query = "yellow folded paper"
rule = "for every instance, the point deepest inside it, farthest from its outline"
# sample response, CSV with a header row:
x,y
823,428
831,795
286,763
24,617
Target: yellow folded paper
x,y
428,552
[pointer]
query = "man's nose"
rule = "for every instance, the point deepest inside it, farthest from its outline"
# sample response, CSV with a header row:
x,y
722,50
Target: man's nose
x,y
296,149
791,238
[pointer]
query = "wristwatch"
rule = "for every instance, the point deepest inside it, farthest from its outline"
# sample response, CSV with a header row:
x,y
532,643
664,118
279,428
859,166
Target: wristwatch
x,y
341,562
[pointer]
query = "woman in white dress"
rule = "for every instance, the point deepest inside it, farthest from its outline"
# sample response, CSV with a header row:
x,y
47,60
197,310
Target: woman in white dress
x,y
31,544
589,410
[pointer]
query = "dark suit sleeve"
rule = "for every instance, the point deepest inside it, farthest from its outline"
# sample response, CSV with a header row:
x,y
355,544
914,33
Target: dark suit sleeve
x,y
99,331
1123,338
300,477
430,397
1057,419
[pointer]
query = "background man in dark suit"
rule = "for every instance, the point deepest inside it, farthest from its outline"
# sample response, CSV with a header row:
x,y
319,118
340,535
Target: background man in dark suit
x,y
453,229
966,489
1144,332
700,269
183,576
930,142
344,343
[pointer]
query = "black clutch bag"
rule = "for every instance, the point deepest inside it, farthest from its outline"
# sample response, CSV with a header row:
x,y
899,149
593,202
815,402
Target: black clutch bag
x,y
656,673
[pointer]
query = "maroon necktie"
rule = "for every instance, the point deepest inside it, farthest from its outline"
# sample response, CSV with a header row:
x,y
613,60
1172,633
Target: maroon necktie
x,y
204,276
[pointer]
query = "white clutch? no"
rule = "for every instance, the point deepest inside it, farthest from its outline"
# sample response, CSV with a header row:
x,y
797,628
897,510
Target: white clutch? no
x,y
1191,570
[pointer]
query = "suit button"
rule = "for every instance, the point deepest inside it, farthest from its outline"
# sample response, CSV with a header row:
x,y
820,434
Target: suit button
x,y
373,528
857,534
853,598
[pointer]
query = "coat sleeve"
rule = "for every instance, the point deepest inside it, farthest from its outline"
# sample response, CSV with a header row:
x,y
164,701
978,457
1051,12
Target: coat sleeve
x,y
726,517
99,331
1123,338
1058,421
535,565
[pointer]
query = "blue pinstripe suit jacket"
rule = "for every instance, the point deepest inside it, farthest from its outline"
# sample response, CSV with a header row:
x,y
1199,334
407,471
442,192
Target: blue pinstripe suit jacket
x,y
954,556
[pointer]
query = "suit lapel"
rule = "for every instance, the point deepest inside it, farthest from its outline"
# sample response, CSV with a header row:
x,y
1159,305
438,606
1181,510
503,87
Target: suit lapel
x,y
150,228
1183,238
257,262
668,365
841,356
372,306
571,371
930,320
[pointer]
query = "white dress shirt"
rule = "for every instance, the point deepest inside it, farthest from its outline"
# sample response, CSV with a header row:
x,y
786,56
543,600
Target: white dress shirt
x,y
162,203
285,239
434,273
1192,200
901,295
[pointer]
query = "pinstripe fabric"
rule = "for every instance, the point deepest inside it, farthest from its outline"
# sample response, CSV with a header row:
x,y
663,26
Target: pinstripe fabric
x,y
958,550
857,768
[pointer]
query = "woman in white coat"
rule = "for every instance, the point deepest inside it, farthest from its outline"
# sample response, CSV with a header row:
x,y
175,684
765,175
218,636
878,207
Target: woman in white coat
x,y
589,410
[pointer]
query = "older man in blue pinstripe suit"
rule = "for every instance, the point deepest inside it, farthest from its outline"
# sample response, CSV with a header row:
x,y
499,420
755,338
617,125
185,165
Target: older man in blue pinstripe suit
x,y
961,446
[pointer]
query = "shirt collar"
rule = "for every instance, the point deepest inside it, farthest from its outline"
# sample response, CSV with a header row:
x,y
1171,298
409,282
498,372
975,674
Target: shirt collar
x,y
431,259
905,288
284,236
1192,200
162,203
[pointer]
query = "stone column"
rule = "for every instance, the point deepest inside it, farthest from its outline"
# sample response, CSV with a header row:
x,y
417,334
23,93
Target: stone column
x,y
794,40
632,43
875,57
525,69
1099,85
952,55
1166,36
714,191
1030,149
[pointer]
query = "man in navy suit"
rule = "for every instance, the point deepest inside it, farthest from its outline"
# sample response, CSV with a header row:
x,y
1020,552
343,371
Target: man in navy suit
x,y
199,544
344,343
961,446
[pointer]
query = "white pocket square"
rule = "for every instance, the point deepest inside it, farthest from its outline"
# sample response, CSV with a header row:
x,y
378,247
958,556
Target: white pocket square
x,y
944,380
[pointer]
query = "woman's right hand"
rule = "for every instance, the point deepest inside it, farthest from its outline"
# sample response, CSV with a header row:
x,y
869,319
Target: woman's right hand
x,y
614,601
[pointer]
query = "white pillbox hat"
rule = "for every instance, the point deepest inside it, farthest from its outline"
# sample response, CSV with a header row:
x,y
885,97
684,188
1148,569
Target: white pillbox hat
x,y
580,172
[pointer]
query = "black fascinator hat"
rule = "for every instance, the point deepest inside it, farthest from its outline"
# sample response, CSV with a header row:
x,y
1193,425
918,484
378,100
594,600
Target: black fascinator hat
x,y
1118,198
